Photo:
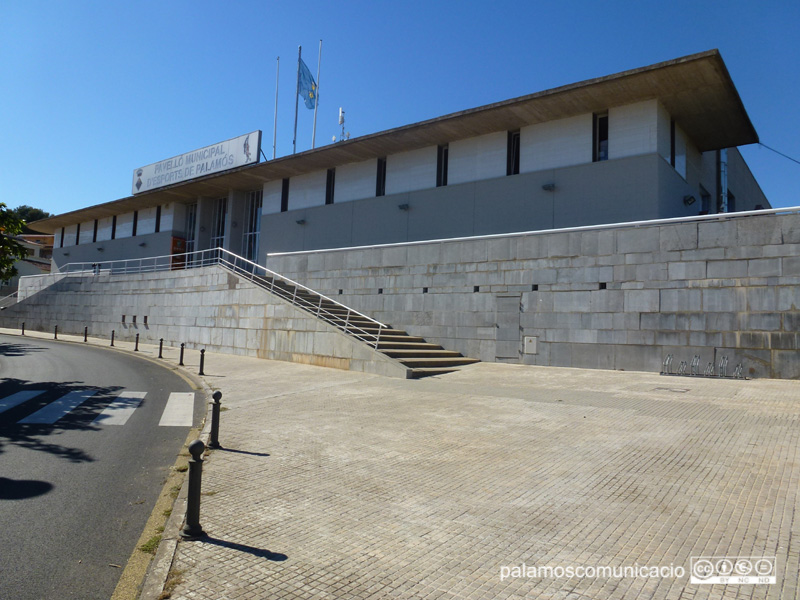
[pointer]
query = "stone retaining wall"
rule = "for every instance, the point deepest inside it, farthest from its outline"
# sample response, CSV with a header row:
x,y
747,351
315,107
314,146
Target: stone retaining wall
x,y
204,308
615,298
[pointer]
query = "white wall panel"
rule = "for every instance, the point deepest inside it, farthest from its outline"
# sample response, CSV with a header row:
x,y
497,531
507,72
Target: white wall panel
x,y
307,190
168,216
87,232
408,171
554,144
473,159
124,225
104,229
355,181
634,129
146,222
272,197
69,235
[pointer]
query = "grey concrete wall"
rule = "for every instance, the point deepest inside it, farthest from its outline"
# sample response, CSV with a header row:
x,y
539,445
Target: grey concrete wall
x,y
204,308
618,298
155,244
627,189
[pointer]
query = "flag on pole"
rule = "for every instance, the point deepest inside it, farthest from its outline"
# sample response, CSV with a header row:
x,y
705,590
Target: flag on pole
x,y
307,87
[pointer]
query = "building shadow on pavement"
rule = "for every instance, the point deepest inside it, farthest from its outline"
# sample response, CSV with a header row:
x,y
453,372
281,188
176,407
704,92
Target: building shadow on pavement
x,y
257,552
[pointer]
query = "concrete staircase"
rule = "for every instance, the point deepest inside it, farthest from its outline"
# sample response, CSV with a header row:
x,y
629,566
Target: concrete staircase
x,y
421,357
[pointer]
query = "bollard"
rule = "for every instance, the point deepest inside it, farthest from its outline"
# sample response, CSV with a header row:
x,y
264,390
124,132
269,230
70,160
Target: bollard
x,y
85,334
180,361
112,337
202,360
215,407
136,347
23,328
192,528
55,334
161,348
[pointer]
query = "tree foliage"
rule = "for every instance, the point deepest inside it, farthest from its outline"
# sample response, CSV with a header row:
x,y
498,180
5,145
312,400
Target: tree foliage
x,y
10,249
28,214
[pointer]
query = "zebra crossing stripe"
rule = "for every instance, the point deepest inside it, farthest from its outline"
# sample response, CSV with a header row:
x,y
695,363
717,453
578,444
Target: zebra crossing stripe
x,y
179,410
18,398
121,409
55,410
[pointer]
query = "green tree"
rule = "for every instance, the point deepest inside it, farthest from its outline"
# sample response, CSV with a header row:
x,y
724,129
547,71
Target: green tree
x,y
28,214
10,249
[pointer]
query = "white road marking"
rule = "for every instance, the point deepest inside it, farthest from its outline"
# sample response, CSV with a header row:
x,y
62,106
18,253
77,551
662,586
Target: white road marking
x,y
179,410
121,409
18,398
59,408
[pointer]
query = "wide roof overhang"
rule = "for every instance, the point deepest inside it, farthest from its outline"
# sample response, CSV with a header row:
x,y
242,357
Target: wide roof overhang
x,y
696,90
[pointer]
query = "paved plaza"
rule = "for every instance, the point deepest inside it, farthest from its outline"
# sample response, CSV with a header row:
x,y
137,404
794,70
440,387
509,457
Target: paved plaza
x,y
341,485
333,484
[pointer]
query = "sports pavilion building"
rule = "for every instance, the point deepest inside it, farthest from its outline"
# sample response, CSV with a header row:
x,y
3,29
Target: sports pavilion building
x,y
512,232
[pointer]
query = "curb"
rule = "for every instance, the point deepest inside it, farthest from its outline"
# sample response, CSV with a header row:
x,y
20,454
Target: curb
x,y
159,568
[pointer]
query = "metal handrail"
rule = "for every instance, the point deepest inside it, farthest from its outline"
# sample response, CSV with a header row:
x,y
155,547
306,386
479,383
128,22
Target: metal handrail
x,y
6,301
242,267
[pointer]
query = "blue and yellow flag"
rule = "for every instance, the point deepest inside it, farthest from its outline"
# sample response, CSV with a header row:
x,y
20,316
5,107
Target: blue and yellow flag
x,y
307,87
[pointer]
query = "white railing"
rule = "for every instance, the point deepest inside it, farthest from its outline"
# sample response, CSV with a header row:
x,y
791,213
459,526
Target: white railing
x,y
343,317
9,300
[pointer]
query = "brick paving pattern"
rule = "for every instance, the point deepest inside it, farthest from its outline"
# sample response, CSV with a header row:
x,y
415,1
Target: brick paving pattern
x,y
334,484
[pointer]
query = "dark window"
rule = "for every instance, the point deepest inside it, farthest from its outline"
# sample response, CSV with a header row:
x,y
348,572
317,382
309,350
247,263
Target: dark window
x,y
94,234
285,195
512,166
135,222
114,227
158,218
330,183
705,201
380,179
672,143
61,245
600,146
441,165
78,235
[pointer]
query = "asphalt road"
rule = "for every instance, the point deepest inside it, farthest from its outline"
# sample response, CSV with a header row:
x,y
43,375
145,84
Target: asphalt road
x,y
75,495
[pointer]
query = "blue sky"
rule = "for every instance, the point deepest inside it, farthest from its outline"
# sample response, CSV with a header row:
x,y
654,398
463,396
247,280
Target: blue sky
x,y
92,90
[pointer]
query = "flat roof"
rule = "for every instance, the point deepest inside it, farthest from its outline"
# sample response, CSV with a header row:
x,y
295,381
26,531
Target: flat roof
x,y
696,90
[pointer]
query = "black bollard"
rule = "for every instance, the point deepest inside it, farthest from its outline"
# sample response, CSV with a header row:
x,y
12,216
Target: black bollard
x,y
215,408
202,360
55,333
192,528
161,348
85,334
180,360
23,328
112,337
136,347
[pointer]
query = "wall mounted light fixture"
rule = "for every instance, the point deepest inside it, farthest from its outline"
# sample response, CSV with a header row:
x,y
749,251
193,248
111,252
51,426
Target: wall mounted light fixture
x,y
143,244
403,206
99,248
549,187
688,200
301,221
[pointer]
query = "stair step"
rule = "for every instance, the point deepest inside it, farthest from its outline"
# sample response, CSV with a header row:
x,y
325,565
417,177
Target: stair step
x,y
437,362
421,372
406,353
384,345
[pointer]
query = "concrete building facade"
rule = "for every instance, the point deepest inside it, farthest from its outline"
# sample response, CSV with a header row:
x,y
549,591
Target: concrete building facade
x,y
650,143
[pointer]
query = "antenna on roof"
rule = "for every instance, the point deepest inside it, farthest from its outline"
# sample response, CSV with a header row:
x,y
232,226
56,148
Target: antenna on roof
x,y
344,136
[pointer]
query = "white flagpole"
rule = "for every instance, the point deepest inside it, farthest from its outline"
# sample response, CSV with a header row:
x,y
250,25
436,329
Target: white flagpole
x,y
275,126
316,104
297,98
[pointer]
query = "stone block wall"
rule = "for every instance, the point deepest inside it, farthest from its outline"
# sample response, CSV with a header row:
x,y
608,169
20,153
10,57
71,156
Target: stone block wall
x,y
617,298
203,308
